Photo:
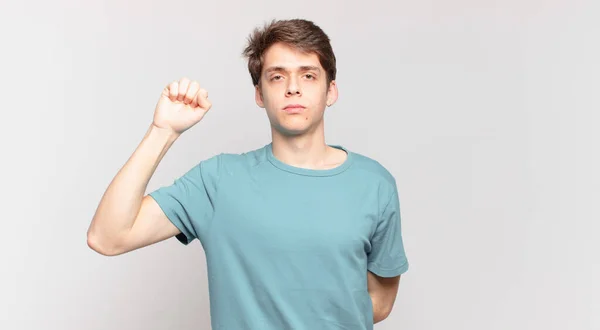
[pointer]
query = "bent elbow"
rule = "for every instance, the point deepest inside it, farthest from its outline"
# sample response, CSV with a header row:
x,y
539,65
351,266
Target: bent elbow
x,y
99,245
381,313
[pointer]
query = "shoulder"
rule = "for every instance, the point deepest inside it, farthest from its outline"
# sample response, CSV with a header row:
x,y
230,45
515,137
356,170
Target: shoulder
x,y
246,158
228,161
375,176
372,169
378,177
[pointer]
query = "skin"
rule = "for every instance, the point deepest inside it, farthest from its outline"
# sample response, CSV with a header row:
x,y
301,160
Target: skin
x,y
290,76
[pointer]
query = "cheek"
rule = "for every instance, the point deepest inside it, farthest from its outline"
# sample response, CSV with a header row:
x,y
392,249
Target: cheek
x,y
319,93
268,96
270,102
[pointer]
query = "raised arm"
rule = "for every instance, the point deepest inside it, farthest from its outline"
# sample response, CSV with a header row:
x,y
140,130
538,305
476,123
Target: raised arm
x,y
125,218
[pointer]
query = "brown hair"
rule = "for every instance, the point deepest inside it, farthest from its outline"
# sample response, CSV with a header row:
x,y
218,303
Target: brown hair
x,y
301,34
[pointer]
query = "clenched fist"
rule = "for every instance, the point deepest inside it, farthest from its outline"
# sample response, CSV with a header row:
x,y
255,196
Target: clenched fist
x,y
182,104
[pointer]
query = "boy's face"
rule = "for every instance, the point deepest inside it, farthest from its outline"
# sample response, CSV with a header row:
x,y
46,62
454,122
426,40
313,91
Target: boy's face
x,y
292,78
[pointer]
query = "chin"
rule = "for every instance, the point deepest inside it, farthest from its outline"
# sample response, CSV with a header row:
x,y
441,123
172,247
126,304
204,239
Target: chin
x,y
293,125
291,129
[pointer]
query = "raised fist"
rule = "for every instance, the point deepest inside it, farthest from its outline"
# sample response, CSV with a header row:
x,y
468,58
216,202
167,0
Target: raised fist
x,y
182,104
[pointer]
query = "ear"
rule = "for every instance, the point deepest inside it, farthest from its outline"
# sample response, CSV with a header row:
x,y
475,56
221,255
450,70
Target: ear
x,y
258,96
332,93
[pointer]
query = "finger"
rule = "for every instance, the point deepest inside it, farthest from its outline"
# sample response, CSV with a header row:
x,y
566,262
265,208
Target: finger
x,y
166,90
191,92
202,99
194,103
173,90
183,87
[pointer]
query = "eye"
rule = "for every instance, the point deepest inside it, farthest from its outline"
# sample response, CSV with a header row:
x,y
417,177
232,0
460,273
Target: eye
x,y
310,76
277,77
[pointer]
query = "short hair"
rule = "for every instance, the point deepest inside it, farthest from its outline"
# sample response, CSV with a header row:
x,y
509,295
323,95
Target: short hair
x,y
301,34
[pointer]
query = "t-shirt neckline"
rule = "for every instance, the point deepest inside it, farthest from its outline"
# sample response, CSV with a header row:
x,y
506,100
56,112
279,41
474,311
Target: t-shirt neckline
x,y
310,172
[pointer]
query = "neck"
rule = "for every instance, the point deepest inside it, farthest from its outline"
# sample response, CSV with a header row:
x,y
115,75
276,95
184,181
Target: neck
x,y
306,150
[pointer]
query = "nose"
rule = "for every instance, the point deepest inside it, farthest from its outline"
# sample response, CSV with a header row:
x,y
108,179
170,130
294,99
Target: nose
x,y
293,88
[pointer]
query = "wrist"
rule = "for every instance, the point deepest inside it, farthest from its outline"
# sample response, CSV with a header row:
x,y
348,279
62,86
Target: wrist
x,y
163,133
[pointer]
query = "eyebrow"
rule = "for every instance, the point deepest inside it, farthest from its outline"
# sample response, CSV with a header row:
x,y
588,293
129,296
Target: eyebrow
x,y
301,68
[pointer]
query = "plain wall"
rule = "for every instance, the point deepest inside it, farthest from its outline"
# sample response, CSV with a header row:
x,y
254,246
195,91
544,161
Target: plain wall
x,y
486,112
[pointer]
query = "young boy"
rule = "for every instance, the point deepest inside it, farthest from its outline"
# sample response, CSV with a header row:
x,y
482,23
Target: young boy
x,y
298,234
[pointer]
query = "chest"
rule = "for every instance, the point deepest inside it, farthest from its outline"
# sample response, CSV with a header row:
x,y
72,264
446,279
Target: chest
x,y
296,217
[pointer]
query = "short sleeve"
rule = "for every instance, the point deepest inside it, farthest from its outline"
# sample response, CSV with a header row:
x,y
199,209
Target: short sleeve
x,y
387,257
189,201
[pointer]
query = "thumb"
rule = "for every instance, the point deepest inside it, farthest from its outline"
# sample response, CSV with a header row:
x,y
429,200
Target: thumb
x,y
202,99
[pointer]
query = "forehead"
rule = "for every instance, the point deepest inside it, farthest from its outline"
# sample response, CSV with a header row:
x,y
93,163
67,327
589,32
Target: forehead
x,y
283,55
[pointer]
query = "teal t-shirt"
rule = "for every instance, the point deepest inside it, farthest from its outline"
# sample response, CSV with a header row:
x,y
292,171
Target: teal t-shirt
x,y
288,247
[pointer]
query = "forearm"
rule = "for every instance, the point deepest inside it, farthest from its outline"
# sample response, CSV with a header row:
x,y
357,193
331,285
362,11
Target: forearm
x,y
122,199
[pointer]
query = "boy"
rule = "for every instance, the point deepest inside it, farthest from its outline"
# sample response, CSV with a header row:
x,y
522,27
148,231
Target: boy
x,y
298,234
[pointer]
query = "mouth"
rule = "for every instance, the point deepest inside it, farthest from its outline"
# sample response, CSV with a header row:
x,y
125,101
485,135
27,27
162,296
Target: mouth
x,y
294,108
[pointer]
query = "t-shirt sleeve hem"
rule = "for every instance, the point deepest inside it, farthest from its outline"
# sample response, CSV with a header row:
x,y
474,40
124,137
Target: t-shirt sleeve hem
x,y
185,237
387,272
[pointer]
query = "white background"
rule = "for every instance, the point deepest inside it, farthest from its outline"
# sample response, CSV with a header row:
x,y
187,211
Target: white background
x,y
486,112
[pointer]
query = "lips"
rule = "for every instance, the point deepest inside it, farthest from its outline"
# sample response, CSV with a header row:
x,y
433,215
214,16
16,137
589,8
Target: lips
x,y
293,106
